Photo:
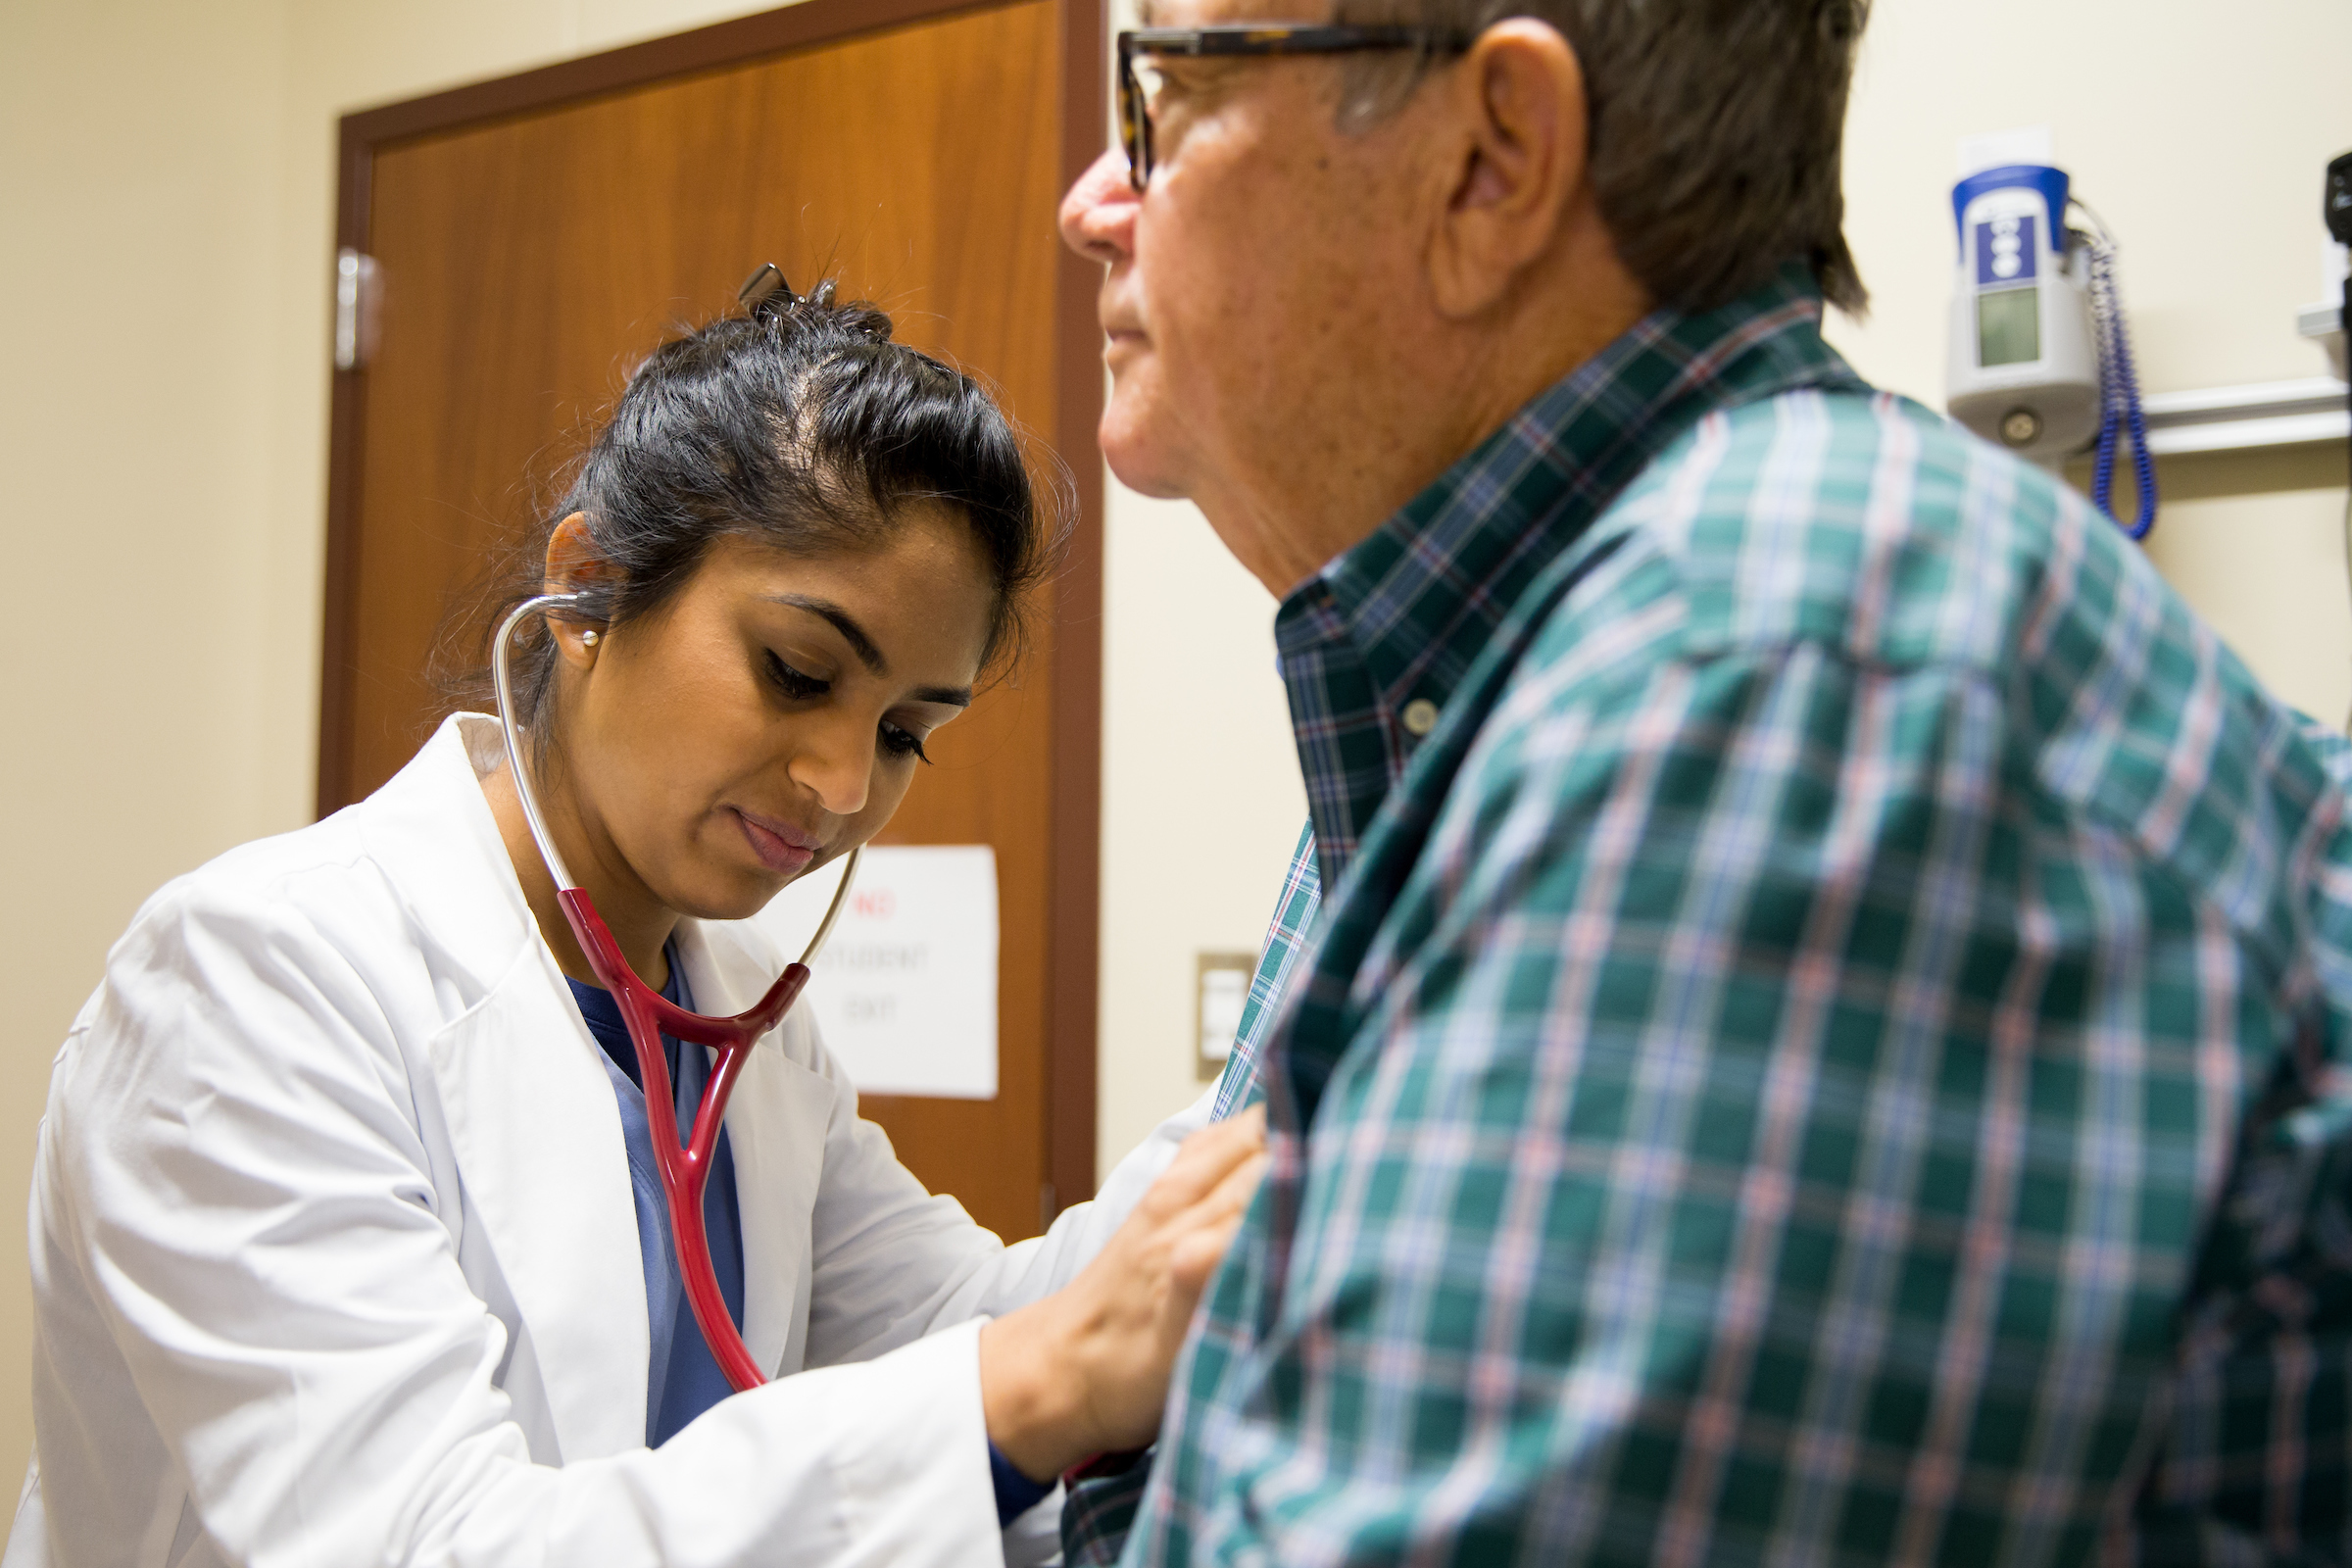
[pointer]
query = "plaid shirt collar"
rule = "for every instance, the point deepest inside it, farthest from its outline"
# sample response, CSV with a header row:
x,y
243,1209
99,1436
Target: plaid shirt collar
x,y
1397,619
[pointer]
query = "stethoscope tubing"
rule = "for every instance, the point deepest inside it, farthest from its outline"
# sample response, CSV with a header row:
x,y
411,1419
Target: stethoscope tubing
x,y
684,1165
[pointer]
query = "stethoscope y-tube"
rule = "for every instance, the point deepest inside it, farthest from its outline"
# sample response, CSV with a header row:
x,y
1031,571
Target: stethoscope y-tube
x,y
685,1170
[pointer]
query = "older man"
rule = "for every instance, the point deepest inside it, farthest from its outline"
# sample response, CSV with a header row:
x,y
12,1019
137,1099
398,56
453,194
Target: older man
x,y
1820,1044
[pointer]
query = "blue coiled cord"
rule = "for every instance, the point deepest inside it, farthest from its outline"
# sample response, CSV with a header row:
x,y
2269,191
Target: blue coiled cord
x,y
2119,389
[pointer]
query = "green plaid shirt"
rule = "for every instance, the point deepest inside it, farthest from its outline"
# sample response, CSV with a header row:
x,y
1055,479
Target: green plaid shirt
x,y
1285,940
1825,1053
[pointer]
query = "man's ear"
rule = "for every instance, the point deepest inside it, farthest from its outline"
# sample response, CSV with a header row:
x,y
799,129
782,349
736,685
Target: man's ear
x,y
573,562
1519,120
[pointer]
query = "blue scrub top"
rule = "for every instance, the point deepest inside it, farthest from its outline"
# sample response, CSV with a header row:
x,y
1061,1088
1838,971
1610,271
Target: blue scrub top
x,y
682,1377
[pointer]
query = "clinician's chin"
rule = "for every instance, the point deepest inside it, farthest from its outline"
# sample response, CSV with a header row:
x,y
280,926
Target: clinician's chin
x,y
729,898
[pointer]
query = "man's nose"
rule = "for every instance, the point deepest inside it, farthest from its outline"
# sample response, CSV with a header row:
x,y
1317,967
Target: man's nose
x,y
1098,215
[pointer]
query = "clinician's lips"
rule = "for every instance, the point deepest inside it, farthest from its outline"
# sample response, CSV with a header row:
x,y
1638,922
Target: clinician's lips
x,y
782,847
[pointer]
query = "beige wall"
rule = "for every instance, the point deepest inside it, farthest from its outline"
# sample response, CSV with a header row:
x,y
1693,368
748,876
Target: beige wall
x,y
139,464
1201,799
166,186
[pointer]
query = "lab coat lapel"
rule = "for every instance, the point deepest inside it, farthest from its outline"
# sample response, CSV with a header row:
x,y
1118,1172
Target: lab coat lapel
x,y
539,1147
535,1129
776,1126
530,1110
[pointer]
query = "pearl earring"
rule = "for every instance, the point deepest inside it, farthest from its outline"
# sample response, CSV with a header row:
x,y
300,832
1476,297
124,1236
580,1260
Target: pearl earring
x,y
590,638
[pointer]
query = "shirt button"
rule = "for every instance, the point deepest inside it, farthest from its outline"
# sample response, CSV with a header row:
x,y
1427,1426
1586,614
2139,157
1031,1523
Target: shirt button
x,y
1420,716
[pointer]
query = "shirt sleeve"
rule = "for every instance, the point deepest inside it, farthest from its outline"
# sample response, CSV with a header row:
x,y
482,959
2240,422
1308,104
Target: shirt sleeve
x,y
1016,1492
1099,1511
1703,1168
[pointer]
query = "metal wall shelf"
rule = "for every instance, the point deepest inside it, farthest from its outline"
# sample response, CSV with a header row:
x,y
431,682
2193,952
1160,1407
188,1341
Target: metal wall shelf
x,y
2231,418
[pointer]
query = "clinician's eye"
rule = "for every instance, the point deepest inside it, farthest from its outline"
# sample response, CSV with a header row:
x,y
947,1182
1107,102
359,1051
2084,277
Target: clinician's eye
x,y
792,683
902,742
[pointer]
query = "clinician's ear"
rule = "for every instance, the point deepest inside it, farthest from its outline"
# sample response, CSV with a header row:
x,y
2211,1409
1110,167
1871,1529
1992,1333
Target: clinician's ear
x,y
1519,115
573,562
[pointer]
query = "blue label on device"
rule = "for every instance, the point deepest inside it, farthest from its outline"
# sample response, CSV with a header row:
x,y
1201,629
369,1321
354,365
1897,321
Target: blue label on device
x,y
2006,252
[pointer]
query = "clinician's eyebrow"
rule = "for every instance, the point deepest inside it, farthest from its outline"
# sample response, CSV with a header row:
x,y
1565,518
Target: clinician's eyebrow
x,y
842,621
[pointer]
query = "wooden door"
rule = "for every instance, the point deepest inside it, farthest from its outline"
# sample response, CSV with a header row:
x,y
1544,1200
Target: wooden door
x,y
534,237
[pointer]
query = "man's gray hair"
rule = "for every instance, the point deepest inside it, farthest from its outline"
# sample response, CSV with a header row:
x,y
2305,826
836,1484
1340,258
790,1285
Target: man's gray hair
x,y
1717,128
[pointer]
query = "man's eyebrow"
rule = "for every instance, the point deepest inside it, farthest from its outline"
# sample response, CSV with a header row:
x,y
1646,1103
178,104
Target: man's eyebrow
x,y
845,623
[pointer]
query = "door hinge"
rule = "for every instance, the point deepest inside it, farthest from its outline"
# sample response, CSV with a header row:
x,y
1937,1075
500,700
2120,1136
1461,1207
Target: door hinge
x,y
357,299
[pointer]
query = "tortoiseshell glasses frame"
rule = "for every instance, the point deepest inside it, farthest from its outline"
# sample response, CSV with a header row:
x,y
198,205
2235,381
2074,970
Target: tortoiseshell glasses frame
x,y
1260,40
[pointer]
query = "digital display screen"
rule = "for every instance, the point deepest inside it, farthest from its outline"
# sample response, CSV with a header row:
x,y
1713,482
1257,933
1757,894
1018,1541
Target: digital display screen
x,y
2009,327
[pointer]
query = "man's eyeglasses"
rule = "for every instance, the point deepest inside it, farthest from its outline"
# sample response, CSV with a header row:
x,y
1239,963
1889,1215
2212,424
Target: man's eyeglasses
x,y
1242,41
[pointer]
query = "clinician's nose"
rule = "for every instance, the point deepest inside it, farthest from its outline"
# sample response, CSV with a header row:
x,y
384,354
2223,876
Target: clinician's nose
x,y
1098,215
835,763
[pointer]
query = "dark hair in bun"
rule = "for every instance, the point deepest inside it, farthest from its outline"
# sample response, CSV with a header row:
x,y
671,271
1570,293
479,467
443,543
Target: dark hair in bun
x,y
801,424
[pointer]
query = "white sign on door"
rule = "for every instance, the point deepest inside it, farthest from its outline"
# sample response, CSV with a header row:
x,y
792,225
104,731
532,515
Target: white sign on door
x,y
906,989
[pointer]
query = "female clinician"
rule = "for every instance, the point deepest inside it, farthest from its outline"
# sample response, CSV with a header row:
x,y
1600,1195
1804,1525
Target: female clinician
x,y
345,1244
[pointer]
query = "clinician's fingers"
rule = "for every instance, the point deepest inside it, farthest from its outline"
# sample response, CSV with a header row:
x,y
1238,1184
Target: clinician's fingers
x,y
1223,1143
1231,1196
1205,1160
1192,1264
1241,1184
1194,1259
1210,1226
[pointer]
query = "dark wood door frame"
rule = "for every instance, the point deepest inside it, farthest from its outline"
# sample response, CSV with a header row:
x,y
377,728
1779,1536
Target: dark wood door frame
x,y
1076,603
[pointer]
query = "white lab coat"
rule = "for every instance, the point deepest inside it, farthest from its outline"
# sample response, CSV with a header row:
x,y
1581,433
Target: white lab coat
x,y
335,1257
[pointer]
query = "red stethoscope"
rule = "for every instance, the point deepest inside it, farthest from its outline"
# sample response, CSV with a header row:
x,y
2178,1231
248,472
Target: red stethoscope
x,y
685,1170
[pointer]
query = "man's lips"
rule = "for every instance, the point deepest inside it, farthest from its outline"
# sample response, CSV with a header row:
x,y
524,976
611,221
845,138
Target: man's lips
x,y
782,846
1120,345
1119,325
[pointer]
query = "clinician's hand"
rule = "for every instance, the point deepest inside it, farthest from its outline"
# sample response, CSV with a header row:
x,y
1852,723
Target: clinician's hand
x,y
1085,1371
